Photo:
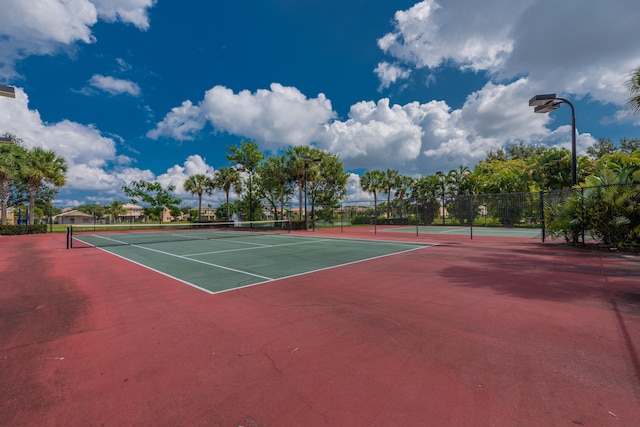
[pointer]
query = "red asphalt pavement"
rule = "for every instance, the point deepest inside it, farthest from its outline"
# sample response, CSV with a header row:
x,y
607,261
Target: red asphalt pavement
x,y
482,332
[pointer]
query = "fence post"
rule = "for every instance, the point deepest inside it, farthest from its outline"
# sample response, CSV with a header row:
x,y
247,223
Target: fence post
x,y
583,219
417,227
471,216
542,214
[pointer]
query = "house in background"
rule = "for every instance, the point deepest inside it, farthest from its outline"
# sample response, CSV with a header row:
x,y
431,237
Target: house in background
x,y
73,216
133,213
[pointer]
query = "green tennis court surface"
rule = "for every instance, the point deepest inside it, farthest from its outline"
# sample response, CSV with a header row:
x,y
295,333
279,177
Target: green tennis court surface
x,y
219,265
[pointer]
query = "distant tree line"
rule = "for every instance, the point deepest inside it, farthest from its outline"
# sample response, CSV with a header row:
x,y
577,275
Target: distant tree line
x,y
29,179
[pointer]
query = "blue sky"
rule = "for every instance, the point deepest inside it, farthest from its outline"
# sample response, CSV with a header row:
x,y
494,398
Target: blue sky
x,y
158,89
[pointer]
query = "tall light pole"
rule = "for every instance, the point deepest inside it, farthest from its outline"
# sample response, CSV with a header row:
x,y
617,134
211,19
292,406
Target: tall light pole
x,y
241,168
307,160
9,92
549,102
441,175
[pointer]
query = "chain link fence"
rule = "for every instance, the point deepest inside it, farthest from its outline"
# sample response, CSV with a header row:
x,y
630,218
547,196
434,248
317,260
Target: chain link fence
x,y
606,215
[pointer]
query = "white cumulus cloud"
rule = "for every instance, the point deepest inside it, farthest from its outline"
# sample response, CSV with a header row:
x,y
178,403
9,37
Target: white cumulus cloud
x,y
277,117
181,123
46,27
114,86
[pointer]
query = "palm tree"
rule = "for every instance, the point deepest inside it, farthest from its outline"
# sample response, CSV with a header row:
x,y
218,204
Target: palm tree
x,y
633,86
115,209
296,166
41,166
11,159
225,179
373,182
460,180
198,184
404,185
391,181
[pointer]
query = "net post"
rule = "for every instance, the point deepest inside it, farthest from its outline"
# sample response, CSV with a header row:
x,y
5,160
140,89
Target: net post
x,y
68,237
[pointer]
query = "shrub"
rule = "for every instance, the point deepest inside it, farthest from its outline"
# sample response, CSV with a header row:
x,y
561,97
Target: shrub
x,y
13,230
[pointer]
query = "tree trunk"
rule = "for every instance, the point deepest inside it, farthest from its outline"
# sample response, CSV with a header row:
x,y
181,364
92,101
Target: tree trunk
x,y
32,204
4,198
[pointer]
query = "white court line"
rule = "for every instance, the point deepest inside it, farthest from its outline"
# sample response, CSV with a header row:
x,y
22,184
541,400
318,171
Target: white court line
x,y
219,238
158,271
223,251
453,230
195,260
266,279
320,269
204,262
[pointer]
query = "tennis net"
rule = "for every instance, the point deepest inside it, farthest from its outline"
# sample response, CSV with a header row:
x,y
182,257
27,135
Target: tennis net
x,y
102,235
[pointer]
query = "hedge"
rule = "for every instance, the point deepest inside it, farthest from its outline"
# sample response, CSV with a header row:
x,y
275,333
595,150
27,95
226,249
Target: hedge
x,y
12,230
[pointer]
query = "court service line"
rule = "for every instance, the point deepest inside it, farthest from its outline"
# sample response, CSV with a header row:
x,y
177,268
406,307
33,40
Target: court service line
x,y
217,238
224,251
206,263
322,269
203,262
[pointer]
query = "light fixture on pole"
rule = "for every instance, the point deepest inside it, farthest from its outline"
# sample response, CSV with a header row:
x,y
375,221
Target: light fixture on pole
x,y
549,102
8,91
307,160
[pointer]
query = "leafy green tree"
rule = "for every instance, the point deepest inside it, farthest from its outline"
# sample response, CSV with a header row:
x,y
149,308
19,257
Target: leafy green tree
x,y
508,176
460,184
511,176
153,195
248,157
619,161
39,168
522,151
629,145
197,185
427,191
274,183
175,211
552,169
327,181
226,179
12,158
226,210
601,148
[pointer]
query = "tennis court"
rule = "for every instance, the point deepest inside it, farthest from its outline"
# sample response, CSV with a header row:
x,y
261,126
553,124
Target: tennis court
x,y
217,259
364,328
